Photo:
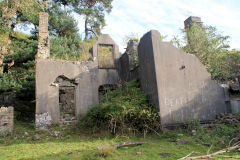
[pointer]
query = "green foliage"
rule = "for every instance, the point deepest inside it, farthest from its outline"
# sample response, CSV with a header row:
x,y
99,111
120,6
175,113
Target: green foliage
x,y
131,36
212,49
94,13
27,11
135,59
61,23
74,144
106,57
219,135
74,49
64,48
204,42
85,48
24,49
8,83
15,12
224,66
21,81
227,132
123,109
21,76
106,151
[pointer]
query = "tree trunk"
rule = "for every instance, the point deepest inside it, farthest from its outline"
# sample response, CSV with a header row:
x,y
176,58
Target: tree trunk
x,y
3,51
35,27
86,28
1,66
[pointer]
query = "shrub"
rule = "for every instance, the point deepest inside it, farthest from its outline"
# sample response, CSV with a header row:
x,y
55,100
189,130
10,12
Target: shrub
x,y
212,50
64,48
124,109
105,151
9,83
73,49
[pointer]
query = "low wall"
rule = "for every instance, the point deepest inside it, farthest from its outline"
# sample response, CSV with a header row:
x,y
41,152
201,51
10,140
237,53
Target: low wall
x,y
6,121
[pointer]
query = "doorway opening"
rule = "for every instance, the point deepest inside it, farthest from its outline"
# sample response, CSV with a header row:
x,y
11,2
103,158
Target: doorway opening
x,y
67,106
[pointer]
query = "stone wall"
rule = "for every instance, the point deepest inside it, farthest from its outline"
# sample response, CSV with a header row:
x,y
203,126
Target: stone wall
x,y
188,22
6,121
43,120
128,62
43,40
177,82
86,77
107,41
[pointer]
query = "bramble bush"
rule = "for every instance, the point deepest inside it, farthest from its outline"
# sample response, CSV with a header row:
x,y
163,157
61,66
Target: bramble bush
x,y
124,109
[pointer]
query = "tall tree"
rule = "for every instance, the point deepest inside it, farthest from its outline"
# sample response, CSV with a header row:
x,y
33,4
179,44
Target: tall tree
x,y
12,13
94,12
61,23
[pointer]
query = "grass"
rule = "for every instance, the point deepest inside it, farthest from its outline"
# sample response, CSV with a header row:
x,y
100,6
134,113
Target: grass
x,y
64,143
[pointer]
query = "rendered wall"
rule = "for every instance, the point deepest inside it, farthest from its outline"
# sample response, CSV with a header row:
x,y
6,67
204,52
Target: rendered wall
x,y
86,78
177,83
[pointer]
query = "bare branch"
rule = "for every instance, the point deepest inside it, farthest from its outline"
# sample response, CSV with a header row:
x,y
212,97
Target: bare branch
x,y
211,155
94,32
128,144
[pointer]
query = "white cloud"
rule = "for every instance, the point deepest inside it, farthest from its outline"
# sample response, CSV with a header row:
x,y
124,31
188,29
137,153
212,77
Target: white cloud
x,y
140,16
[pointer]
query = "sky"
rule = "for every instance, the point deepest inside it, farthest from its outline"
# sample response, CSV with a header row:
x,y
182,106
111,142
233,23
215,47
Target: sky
x,y
167,16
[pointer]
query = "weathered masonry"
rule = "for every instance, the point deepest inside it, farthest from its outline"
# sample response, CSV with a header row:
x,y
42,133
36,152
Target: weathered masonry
x,y
6,120
65,90
43,41
176,82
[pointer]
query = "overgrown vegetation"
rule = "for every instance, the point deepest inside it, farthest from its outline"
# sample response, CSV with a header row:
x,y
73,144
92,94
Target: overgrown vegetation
x,y
106,59
212,49
220,135
63,48
19,77
124,109
71,143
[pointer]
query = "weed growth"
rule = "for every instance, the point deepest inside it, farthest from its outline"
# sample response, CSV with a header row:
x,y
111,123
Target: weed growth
x,y
125,109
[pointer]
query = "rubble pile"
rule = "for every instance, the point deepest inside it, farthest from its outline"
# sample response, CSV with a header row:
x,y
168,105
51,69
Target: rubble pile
x,y
229,119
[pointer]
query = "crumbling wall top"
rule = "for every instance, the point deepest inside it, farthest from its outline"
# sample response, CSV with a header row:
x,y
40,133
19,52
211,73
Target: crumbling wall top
x,y
43,40
190,20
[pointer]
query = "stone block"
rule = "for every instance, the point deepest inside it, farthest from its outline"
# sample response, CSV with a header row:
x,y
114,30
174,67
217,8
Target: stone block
x,y
6,121
188,22
43,120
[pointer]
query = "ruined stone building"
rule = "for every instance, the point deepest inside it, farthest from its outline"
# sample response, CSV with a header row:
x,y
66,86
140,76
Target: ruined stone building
x,y
176,82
